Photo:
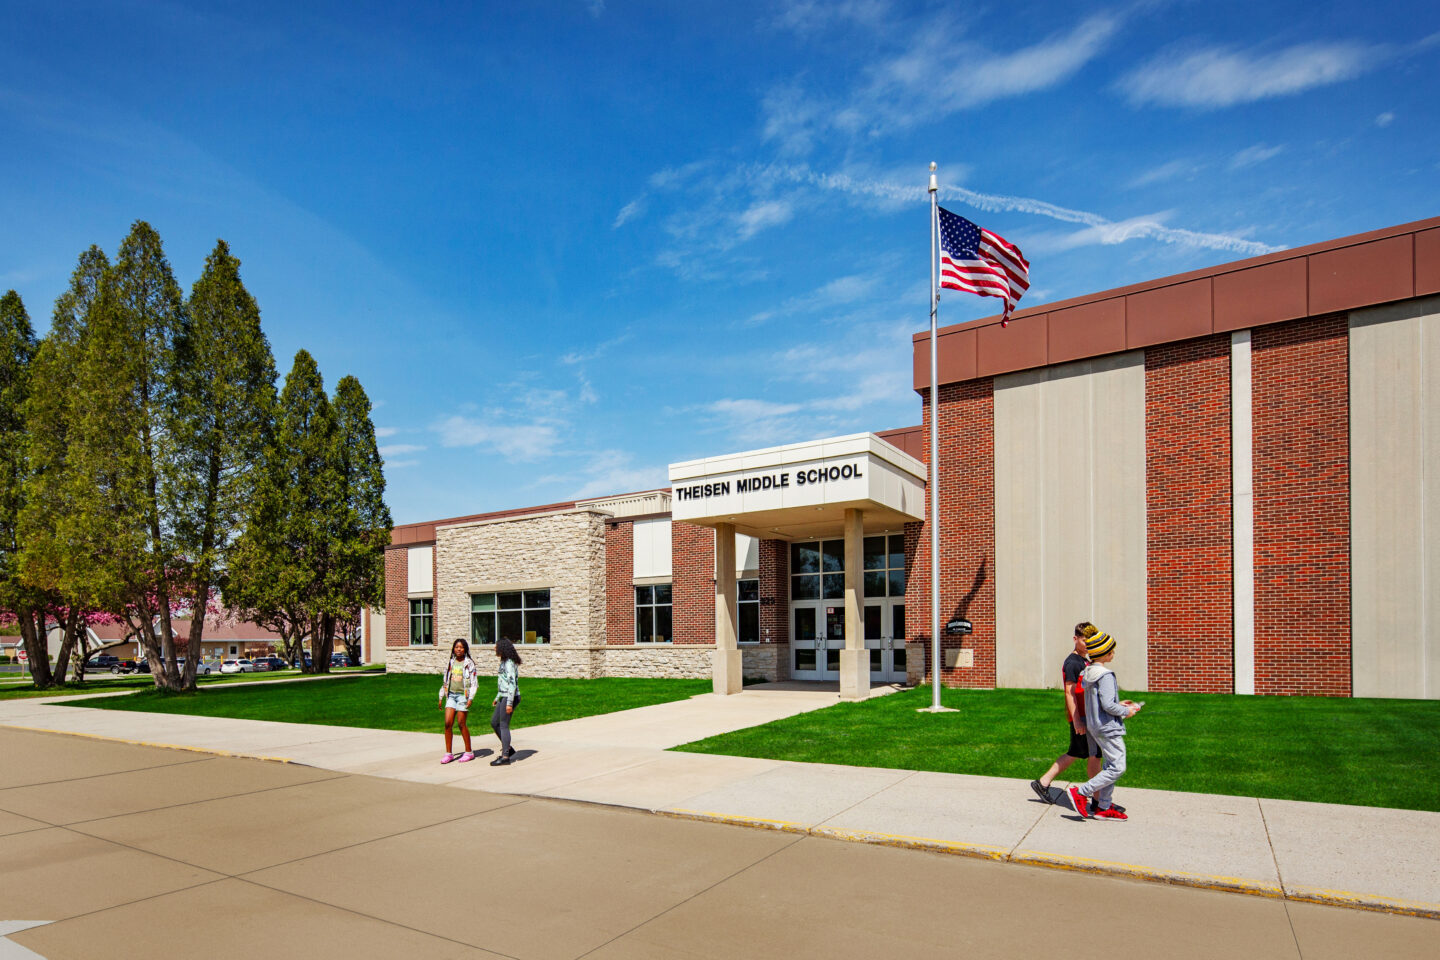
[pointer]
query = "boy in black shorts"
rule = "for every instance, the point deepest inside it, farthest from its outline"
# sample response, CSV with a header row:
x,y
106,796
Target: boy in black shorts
x,y
1080,745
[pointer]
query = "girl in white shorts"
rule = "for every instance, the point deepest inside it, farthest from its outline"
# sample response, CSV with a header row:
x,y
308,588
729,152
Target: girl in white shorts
x,y
457,688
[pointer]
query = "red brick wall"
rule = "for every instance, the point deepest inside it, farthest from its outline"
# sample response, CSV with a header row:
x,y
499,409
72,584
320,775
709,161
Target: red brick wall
x,y
967,532
1188,516
692,552
397,606
619,582
775,599
1302,507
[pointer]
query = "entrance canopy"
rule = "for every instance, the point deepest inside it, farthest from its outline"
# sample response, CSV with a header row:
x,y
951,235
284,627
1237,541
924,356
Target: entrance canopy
x,y
801,491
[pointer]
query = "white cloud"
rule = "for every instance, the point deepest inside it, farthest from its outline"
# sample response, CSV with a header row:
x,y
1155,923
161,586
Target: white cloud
x,y
400,464
763,215
524,441
1221,77
396,449
932,78
1385,119
1165,172
594,7
383,432
635,208
809,16
614,472
596,352
1252,155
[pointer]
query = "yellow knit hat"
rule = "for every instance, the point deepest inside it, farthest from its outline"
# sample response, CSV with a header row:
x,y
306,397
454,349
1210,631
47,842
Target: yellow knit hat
x,y
1099,645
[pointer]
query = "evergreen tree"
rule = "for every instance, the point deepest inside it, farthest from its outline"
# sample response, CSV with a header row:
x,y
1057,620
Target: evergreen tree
x,y
49,413
17,352
284,561
221,422
118,545
358,576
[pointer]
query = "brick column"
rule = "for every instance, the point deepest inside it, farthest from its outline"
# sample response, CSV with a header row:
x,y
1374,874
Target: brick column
x,y
619,582
1188,517
692,574
967,533
775,601
397,604
1302,507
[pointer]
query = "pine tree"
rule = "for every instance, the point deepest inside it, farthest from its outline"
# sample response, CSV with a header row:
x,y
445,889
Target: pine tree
x,y
17,353
358,576
49,413
220,425
119,544
284,560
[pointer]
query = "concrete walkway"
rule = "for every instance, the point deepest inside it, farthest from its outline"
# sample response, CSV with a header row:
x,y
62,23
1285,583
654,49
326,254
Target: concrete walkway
x,y
1377,859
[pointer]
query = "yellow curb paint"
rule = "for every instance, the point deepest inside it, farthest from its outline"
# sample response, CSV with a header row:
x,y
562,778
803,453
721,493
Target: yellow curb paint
x,y
759,823
1361,901
150,743
1205,881
981,850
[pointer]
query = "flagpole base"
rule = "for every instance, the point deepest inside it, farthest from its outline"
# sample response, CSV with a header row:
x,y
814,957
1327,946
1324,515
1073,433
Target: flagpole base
x,y
936,710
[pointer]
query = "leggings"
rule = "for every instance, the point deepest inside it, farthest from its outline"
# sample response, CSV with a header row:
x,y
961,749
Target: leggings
x,y
500,723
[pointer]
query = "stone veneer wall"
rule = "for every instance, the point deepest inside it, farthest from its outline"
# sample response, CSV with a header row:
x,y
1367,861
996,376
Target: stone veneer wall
x,y
562,551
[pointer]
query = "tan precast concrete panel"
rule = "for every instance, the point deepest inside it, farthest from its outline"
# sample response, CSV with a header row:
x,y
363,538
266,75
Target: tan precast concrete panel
x,y
1019,540
1069,515
421,569
1394,477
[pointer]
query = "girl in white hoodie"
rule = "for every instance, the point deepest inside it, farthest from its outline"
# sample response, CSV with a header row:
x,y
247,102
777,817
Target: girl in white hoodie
x,y
1105,715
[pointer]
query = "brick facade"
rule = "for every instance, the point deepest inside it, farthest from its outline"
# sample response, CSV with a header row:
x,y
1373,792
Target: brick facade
x,y
619,575
397,603
1302,507
967,538
1188,516
774,614
692,564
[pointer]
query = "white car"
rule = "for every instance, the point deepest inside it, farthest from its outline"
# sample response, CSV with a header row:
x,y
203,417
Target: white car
x,y
237,666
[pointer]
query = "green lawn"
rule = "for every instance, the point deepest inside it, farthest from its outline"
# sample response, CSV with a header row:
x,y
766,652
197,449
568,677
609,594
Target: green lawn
x,y
1370,752
408,701
97,683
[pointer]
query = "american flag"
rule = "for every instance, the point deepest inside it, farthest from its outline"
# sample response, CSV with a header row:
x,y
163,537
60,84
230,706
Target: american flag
x,y
976,260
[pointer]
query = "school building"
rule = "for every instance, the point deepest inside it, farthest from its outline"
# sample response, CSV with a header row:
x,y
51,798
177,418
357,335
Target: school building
x,y
1231,470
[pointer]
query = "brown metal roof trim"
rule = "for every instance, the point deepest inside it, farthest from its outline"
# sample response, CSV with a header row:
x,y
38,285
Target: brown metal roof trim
x,y
909,440
1363,270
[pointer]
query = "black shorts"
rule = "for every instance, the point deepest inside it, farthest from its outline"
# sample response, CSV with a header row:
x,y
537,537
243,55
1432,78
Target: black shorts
x,y
1081,745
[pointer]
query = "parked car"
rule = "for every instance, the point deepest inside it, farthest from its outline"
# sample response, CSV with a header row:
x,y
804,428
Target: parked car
x,y
260,664
339,660
124,666
237,666
102,661
272,663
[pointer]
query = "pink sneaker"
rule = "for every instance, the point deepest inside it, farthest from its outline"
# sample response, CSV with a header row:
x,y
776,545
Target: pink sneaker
x,y
447,758
466,757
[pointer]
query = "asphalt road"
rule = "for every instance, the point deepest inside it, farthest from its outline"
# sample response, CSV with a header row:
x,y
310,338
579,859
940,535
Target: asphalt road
x,y
127,851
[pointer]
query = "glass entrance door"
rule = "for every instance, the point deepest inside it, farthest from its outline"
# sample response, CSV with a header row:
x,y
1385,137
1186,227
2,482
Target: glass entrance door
x,y
885,640
818,632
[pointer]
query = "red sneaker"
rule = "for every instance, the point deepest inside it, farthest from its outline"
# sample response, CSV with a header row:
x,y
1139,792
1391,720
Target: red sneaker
x,y
1110,813
1077,800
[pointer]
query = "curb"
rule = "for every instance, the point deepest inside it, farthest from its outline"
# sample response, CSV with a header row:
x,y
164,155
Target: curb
x,y
1054,861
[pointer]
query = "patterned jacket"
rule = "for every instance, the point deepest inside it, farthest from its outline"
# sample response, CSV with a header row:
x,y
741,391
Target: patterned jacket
x,y
507,682
470,673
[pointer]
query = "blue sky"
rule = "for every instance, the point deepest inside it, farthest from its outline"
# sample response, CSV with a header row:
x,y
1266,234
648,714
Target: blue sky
x,y
564,243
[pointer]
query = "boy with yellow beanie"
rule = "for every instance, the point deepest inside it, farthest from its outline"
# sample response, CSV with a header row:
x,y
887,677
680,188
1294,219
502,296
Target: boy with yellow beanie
x,y
1105,715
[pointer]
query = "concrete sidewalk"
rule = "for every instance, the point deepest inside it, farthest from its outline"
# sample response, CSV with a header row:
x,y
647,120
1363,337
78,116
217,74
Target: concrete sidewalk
x,y
1377,859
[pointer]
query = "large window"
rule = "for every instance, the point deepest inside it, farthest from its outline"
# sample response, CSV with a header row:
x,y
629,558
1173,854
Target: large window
x,y
885,566
747,619
817,570
422,623
652,614
521,615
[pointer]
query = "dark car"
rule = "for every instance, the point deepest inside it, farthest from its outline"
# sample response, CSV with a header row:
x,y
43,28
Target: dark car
x,y
103,661
271,663
340,660
124,666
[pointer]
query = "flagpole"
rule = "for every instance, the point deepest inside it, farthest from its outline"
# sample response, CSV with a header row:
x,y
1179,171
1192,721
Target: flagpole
x,y
934,478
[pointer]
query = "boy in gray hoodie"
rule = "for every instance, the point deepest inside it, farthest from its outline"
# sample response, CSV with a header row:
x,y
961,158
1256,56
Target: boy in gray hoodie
x,y
1105,715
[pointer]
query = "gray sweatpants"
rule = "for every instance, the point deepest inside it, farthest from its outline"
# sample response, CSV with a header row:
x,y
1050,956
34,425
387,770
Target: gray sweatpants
x,y
500,723
1102,786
